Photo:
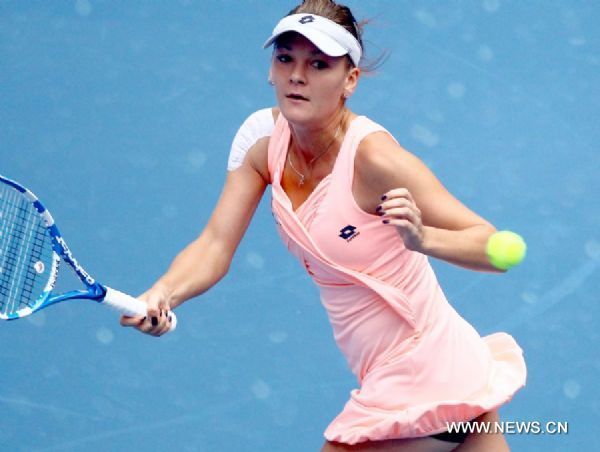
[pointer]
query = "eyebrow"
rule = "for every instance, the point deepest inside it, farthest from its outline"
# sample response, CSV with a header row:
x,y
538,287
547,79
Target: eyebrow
x,y
282,46
289,48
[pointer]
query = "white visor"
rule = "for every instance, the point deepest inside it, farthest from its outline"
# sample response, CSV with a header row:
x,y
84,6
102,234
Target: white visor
x,y
332,39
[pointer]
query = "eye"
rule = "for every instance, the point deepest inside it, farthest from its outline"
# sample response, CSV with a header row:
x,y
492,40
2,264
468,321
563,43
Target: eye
x,y
320,64
283,58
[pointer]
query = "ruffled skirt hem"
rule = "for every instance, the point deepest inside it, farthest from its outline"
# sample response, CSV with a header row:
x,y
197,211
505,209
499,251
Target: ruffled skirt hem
x,y
358,423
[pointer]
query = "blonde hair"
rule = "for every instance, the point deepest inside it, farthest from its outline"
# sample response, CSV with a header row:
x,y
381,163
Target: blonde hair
x,y
341,15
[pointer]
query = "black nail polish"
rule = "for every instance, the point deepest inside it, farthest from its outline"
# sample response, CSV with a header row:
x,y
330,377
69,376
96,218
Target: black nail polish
x,y
384,197
378,209
154,321
386,221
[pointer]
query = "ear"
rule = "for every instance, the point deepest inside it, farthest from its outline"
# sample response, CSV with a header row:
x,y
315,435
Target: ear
x,y
270,79
351,82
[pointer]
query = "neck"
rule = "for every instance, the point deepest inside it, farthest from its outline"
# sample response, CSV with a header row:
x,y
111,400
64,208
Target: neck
x,y
311,142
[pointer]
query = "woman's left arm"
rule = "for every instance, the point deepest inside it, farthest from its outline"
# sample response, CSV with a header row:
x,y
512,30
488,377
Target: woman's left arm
x,y
409,197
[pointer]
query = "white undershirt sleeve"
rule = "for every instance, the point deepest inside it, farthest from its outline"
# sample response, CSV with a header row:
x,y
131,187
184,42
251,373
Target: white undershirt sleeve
x,y
258,125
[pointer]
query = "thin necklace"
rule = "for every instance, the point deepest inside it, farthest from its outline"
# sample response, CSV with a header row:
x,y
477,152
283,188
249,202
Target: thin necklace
x,y
301,176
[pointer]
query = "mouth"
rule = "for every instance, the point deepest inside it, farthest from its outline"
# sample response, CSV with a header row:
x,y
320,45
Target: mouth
x,y
296,96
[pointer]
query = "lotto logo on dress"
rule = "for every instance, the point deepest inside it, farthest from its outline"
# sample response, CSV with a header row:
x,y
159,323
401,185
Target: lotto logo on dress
x,y
349,233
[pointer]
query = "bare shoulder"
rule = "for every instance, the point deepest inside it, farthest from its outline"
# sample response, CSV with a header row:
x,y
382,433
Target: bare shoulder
x,y
260,152
378,148
257,158
383,164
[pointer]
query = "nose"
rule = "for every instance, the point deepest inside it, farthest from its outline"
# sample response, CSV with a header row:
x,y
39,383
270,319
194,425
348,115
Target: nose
x,y
297,76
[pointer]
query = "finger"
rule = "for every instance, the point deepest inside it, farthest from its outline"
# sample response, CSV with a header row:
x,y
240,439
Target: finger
x,y
402,213
164,322
395,202
159,324
166,326
131,321
147,327
397,193
164,306
153,301
153,309
405,227
158,305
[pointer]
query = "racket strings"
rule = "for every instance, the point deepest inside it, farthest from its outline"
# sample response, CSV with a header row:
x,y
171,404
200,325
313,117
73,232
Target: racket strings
x,y
25,253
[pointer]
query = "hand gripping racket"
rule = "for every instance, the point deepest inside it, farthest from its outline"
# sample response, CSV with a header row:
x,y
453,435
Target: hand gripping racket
x,y
31,249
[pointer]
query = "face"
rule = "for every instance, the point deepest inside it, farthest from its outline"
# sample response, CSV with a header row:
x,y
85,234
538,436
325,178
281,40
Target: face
x,y
309,85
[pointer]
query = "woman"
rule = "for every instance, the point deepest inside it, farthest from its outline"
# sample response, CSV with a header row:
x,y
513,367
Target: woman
x,y
362,215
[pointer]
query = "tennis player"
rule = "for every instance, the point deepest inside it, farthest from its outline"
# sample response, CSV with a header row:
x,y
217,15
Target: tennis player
x,y
362,215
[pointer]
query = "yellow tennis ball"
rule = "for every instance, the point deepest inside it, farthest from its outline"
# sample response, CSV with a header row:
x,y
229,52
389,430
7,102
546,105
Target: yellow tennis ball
x,y
505,249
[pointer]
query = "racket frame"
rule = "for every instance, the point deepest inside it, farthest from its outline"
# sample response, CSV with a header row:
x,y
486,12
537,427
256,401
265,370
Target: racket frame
x,y
61,251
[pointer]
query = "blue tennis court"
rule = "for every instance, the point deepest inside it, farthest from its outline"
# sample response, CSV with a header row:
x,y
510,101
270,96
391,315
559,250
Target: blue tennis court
x,y
119,115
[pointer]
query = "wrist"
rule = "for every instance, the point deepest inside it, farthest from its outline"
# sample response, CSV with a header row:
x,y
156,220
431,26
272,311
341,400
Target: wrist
x,y
428,240
166,292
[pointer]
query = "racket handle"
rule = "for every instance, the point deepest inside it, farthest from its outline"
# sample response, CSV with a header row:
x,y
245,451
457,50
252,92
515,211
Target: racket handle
x,y
130,306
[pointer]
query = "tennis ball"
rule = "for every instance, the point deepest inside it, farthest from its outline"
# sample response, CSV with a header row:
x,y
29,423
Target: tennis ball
x,y
505,249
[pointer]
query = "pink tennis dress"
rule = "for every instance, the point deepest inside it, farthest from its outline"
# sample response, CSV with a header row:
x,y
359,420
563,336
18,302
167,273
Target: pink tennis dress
x,y
418,362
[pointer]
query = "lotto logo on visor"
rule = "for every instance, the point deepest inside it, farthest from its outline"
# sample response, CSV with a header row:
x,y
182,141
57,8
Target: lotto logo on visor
x,y
329,37
307,19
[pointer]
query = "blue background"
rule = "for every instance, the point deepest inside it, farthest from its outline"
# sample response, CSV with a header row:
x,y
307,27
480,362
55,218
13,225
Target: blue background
x,y
119,115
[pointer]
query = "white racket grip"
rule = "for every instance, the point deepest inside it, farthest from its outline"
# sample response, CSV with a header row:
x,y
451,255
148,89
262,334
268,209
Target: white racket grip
x,y
130,306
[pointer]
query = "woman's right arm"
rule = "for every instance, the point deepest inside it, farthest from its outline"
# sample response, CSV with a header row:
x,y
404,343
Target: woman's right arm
x,y
206,260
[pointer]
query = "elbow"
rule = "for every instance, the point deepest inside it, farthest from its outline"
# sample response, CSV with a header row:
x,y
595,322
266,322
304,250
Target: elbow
x,y
217,255
223,268
221,262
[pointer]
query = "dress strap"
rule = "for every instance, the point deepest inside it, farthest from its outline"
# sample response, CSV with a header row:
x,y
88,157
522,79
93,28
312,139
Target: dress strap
x,y
359,128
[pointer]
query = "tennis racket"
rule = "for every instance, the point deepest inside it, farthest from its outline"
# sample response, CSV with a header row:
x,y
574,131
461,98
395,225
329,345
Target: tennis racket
x,y
31,249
